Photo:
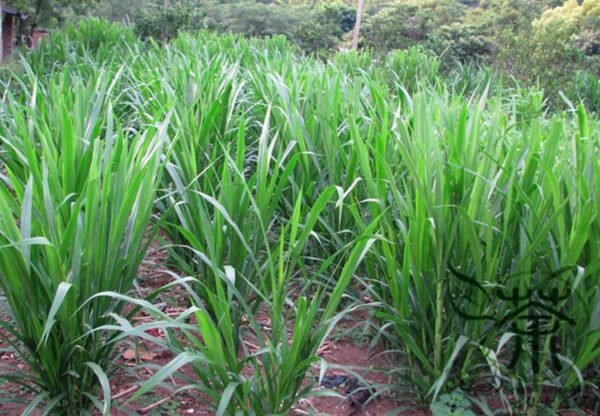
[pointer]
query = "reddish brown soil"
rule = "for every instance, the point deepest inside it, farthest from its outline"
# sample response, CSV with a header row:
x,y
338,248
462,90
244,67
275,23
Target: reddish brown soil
x,y
345,356
152,275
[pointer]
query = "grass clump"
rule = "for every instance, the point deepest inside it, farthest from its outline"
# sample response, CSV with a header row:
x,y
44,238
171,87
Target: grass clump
x,y
293,190
76,198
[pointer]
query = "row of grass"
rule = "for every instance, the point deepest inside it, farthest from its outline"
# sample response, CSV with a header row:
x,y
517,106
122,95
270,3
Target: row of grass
x,y
301,188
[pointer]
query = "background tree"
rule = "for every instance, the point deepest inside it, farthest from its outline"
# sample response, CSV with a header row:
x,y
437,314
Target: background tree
x,y
49,13
574,22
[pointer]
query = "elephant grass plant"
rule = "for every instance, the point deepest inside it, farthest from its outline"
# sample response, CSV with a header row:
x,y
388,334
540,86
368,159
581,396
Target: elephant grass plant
x,y
76,199
430,193
241,366
476,209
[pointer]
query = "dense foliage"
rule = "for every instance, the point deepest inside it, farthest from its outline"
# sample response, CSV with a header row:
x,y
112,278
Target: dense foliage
x,y
546,43
440,203
551,44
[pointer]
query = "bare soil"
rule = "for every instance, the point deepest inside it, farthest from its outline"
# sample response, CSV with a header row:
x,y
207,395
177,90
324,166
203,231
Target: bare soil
x,y
347,357
153,274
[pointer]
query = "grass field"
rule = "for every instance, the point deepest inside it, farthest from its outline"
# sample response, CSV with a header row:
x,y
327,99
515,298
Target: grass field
x,y
458,216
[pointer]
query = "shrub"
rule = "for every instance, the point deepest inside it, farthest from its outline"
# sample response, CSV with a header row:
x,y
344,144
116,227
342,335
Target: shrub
x,y
405,24
464,43
165,23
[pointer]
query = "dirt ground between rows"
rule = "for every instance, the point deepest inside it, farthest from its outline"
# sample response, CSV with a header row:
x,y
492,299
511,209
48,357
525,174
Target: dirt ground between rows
x,y
338,353
345,354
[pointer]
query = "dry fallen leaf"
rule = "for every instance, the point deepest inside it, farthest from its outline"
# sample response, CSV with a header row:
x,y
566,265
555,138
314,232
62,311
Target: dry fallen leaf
x,y
131,355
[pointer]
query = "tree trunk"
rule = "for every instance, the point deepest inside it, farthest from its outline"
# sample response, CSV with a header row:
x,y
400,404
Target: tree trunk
x,y
359,13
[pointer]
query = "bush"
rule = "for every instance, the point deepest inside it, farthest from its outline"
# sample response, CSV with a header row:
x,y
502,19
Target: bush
x,y
464,43
164,24
539,60
586,88
249,18
406,24
588,40
322,31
